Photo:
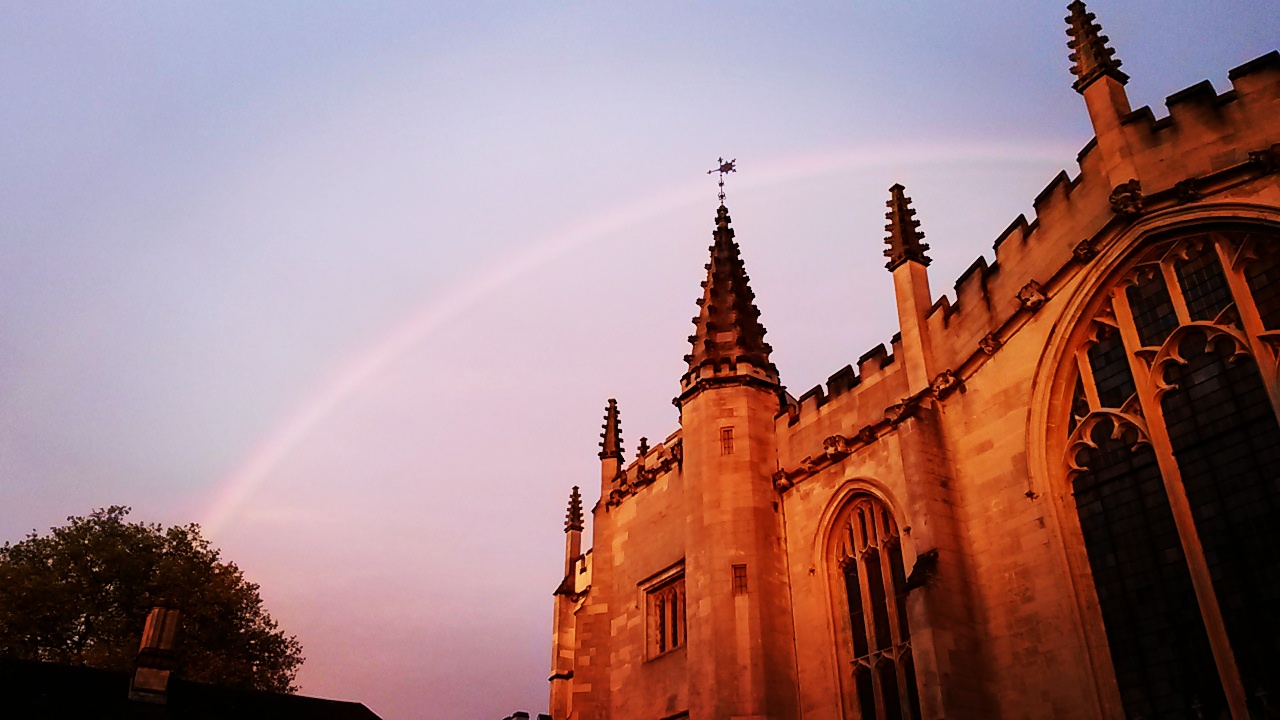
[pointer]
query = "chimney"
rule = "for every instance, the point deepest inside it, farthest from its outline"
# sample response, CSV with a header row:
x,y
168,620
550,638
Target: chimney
x,y
150,681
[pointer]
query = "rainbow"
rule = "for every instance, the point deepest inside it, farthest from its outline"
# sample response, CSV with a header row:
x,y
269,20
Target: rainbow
x,y
233,491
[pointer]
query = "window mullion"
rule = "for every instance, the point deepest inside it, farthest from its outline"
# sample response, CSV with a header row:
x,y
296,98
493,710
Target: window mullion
x,y
1175,290
868,622
868,606
1086,377
1178,502
1252,322
890,598
1129,336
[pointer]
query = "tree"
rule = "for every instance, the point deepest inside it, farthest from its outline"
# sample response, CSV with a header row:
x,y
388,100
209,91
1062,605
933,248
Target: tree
x,y
81,595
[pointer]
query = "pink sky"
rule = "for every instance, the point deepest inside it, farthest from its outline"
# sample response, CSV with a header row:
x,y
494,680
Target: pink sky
x,y
351,284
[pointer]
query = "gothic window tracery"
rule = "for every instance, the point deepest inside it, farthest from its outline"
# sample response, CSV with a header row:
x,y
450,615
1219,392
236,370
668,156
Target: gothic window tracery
x,y
664,603
869,553
1173,458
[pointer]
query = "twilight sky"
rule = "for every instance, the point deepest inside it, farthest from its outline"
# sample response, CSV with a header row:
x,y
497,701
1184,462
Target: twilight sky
x,y
350,283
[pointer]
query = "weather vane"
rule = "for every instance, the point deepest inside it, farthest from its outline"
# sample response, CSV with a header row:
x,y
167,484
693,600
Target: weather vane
x,y
725,167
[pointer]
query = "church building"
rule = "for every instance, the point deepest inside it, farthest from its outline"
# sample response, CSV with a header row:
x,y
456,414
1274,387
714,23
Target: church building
x,y
1055,496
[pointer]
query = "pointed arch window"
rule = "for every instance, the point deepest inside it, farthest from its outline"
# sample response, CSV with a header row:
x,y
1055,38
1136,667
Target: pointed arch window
x,y
664,611
1173,457
869,553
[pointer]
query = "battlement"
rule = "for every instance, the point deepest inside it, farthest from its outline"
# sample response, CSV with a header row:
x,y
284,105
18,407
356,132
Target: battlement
x,y
872,365
650,464
1254,83
1200,140
1073,217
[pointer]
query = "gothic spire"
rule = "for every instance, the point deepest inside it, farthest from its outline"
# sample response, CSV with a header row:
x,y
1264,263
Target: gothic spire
x,y
1090,55
727,327
904,239
611,438
573,518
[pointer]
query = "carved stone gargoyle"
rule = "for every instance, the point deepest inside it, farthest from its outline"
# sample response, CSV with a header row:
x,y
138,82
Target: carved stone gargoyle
x,y
1267,159
1085,250
1032,296
1187,190
945,383
925,568
1126,199
836,447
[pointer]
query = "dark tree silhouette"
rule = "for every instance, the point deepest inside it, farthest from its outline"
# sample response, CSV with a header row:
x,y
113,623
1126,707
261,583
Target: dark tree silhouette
x,y
80,595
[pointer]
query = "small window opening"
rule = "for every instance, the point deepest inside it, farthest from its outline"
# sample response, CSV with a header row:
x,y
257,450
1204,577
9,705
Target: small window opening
x,y
739,579
726,441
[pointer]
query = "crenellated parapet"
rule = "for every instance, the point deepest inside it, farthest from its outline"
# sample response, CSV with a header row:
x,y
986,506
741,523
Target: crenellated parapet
x,y
1205,132
1192,155
650,464
872,367
1187,157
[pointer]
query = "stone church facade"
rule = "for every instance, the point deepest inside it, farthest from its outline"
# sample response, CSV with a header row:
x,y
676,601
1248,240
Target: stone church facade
x,y
1056,497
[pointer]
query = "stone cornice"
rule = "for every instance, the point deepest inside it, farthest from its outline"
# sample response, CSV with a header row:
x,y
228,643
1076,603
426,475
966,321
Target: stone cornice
x,y
714,381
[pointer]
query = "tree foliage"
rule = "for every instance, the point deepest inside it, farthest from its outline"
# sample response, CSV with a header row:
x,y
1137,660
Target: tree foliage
x,y
80,595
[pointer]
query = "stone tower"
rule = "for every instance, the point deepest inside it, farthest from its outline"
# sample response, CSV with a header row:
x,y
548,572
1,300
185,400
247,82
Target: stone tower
x,y
741,649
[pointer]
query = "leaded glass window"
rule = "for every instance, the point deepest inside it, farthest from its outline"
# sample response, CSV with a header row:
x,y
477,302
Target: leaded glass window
x,y
1174,466
870,552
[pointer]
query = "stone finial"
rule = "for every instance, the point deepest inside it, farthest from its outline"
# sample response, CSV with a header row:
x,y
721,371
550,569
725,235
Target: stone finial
x,y
727,327
573,518
643,448
611,438
904,238
1090,56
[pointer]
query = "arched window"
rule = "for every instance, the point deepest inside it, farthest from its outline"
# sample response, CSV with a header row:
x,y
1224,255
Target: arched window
x,y
1174,465
869,553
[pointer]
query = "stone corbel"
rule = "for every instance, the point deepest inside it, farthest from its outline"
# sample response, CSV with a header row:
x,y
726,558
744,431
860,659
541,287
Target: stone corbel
x,y
990,343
